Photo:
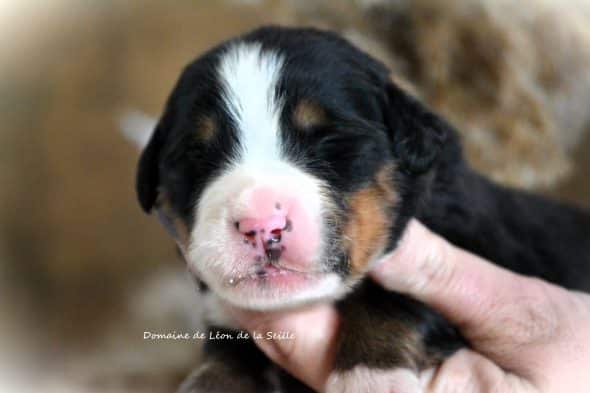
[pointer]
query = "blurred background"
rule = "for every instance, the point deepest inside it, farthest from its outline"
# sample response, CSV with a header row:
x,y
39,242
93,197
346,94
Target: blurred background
x,y
83,272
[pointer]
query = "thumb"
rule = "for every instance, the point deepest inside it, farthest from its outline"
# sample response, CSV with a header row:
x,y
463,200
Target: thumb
x,y
493,308
301,341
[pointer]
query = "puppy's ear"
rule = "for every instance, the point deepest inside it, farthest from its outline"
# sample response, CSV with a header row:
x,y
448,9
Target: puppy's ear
x,y
148,179
417,135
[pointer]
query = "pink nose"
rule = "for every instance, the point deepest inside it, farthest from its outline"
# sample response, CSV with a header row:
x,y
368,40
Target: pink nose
x,y
268,229
273,225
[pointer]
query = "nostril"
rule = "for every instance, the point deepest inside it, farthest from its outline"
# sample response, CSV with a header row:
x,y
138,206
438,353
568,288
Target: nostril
x,y
265,234
275,236
270,225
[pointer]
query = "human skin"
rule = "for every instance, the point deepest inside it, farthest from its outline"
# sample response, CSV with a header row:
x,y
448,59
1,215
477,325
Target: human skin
x,y
525,335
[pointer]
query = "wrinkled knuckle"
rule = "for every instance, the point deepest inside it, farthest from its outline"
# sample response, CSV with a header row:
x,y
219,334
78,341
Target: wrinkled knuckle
x,y
543,313
542,324
435,270
532,319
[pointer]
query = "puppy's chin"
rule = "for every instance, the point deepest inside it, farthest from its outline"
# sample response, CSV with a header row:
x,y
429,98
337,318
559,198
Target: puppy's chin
x,y
278,289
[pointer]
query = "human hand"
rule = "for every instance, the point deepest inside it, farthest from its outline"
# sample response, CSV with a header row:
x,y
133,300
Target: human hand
x,y
526,335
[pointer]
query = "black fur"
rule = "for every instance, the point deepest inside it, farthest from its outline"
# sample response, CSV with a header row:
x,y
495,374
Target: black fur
x,y
371,122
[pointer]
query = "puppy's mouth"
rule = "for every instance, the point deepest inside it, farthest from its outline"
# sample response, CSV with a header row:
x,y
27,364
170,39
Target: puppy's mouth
x,y
271,273
268,281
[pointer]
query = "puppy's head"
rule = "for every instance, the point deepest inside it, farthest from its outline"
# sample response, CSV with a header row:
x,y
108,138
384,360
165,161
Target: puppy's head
x,y
285,163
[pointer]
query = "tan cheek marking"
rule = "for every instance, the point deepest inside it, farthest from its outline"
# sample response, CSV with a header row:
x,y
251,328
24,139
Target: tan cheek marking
x,y
369,223
206,128
307,115
365,229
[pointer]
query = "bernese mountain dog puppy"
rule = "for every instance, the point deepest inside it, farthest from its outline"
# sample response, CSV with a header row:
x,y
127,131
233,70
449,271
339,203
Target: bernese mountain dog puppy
x,y
287,162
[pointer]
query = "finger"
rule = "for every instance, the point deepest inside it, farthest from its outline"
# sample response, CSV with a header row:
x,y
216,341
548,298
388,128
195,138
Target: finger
x,y
468,371
374,380
308,351
486,302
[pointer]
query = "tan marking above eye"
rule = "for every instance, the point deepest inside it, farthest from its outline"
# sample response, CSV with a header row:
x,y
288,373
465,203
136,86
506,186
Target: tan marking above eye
x,y
308,114
205,128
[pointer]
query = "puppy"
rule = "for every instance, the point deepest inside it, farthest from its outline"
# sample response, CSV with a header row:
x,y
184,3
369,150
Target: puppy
x,y
287,162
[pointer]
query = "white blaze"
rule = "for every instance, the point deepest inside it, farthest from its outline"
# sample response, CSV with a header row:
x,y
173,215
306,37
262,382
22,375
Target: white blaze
x,y
249,76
